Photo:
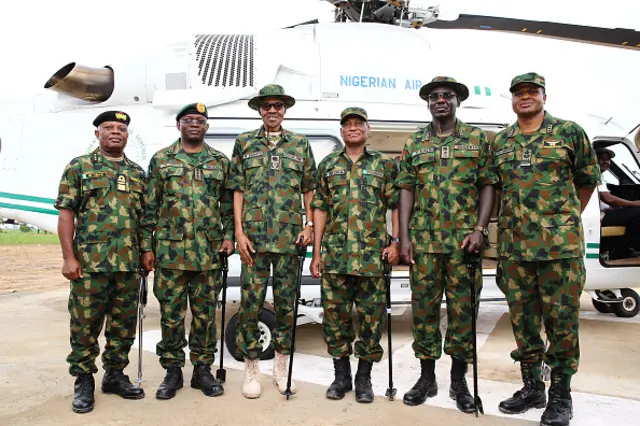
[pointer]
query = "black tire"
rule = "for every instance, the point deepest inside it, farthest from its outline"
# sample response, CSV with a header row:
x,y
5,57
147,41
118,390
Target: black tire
x,y
266,320
603,308
630,305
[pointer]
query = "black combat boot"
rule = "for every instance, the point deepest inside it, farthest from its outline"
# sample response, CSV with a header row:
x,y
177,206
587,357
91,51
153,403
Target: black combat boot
x,y
560,407
532,394
203,379
364,389
83,390
116,382
426,385
459,389
171,383
343,382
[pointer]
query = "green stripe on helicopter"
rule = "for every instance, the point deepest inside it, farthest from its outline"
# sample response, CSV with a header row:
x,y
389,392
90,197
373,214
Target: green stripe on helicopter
x,y
478,90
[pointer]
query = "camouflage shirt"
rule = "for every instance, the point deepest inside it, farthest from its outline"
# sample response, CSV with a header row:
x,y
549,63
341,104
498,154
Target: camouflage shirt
x,y
187,208
273,179
540,175
108,205
445,175
356,197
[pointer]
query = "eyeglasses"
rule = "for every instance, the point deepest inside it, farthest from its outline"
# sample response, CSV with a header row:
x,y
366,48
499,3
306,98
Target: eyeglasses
x,y
447,96
277,105
198,121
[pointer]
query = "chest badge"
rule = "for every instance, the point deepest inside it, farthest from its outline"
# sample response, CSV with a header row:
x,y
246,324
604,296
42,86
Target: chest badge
x,y
275,162
445,152
122,184
526,158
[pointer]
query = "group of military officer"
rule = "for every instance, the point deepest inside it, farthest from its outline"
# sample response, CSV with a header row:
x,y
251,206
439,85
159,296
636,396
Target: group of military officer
x,y
195,205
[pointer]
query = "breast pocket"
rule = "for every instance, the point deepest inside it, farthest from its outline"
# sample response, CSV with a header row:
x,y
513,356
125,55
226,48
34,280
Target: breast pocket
x,y
338,189
424,165
94,192
213,181
465,165
174,180
372,188
551,165
137,197
253,170
293,170
506,165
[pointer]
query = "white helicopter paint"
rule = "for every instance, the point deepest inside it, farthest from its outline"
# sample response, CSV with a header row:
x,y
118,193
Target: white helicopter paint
x,y
314,67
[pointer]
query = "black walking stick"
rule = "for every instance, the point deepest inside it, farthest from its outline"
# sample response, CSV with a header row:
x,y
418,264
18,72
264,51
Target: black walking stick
x,y
142,302
302,252
391,391
472,260
221,374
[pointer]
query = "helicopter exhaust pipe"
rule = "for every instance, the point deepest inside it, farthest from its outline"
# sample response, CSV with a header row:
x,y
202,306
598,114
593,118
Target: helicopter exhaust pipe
x,y
81,82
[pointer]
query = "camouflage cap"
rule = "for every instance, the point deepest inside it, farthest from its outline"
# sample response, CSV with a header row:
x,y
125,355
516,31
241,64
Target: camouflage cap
x,y
461,90
196,108
270,91
530,77
353,111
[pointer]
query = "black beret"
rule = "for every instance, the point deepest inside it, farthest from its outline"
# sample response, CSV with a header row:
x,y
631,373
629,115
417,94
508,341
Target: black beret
x,y
197,108
117,116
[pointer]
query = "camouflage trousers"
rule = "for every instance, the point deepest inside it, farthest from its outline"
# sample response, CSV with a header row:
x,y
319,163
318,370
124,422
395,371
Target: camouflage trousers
x,y
254,289
172,288
91,299
431,276
339,293
546,292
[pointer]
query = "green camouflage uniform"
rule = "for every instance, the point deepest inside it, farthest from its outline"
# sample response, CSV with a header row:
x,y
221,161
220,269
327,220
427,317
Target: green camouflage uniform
x,y
356,197
540,237
191,213
272,175
107,200
445,175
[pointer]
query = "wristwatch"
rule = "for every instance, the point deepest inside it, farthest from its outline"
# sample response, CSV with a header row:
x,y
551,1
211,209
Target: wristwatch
x,y
309,224
483,229
395,240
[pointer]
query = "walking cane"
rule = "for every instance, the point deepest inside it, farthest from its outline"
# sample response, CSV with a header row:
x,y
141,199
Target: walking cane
x,y
142,302
221,374
302,251
391,391
471,260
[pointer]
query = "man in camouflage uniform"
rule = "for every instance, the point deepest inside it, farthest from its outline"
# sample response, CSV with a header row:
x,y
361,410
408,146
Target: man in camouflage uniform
x,y
445,205
272,169
187,226
355,190
100,203
548,171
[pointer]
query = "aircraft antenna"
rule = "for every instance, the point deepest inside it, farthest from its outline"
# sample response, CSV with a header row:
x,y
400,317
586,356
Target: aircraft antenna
x,y
632,130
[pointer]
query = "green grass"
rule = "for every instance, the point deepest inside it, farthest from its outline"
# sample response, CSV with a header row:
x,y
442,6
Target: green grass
x,y
10,237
